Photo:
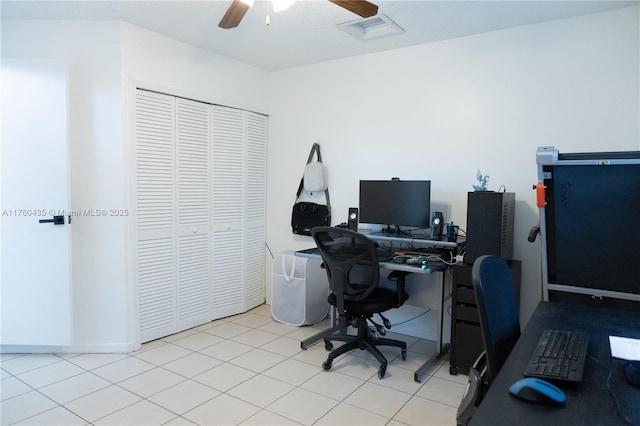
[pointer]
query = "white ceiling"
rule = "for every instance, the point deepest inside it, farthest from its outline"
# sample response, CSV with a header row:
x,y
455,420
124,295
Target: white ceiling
x,y
307,32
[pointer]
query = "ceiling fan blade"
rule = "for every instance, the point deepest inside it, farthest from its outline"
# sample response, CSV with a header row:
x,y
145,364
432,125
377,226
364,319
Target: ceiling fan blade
x,y
234,15
359,7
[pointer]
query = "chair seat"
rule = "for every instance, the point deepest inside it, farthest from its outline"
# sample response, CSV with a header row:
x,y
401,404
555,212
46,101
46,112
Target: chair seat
x,y
379,300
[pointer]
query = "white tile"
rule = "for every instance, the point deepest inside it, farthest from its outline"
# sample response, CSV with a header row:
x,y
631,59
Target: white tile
x,y
224,377
257,360
4,374
192,365
443,373
140,413
442,391
226,350
179,421
345,414
91,361
227,330
184,396
278,328
284,346
7,357
163,354
11,387
355,366
56,416
302,406
151,382
260,390
198,341
255,338
123,369
378,399
292,371
267,418
333,385
20,364
314,355
74,387
50,374
222,410
419,411
399,379
251,320
101,403
148,346
24,406
181,335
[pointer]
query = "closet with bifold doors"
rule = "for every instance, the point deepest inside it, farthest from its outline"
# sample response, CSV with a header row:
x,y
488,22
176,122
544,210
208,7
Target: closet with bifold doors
x,y
198,208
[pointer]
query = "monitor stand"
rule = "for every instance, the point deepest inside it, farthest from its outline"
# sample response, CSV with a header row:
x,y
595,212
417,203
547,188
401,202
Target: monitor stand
x,y
395,231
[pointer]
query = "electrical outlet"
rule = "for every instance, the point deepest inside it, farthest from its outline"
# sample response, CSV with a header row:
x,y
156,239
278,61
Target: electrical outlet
x,y
459,258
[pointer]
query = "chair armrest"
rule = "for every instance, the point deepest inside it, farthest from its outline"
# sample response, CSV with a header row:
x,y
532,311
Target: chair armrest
x,y
399,278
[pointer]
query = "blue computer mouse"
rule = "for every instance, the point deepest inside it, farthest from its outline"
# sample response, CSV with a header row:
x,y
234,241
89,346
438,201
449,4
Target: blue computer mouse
x,y
537,390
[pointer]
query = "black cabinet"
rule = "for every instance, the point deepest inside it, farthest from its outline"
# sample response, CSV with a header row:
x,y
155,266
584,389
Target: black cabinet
x,y
466,337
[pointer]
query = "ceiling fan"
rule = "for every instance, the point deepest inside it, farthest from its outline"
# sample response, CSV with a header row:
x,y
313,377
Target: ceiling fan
x,y
238,8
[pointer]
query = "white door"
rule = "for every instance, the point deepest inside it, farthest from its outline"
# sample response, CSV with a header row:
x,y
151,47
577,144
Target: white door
x,y
35,267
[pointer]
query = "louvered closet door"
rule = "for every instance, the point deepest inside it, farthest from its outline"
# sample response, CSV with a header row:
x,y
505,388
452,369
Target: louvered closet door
x,y
255,181
228,250
155,218
192,147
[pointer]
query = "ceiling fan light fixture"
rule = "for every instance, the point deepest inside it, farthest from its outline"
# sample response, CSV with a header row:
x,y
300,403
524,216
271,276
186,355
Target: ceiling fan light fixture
x,y
281,5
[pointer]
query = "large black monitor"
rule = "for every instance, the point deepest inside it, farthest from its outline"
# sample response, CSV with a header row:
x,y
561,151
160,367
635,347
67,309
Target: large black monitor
x,y
593,225
395,203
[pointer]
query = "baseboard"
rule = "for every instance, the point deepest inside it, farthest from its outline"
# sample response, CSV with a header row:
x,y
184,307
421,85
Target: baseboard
x,y
37,349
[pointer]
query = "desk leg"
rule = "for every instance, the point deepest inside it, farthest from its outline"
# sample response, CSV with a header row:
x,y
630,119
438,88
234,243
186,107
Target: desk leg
x,y
441,349
309,341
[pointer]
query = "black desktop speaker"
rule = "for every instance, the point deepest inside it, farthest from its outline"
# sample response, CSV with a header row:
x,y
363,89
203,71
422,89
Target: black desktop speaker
x,y
489,225
437,225
353,219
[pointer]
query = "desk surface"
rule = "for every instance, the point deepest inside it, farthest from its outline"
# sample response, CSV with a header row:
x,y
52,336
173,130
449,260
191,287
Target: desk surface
x,y
589,402
417,269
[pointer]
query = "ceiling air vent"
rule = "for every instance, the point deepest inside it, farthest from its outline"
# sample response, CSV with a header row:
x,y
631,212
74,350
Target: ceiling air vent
x,y
371,28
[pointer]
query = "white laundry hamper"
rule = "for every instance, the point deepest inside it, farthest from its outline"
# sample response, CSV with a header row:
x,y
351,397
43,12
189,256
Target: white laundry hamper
x,y
299,291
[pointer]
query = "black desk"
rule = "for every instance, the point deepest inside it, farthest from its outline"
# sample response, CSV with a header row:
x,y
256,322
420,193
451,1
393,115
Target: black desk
x,y
589,402
400,243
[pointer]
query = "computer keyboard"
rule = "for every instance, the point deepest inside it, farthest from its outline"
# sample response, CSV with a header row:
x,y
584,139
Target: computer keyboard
x,y
559,355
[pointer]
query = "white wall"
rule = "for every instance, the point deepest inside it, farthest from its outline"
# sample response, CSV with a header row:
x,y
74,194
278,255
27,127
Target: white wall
x,y
104,58
440,111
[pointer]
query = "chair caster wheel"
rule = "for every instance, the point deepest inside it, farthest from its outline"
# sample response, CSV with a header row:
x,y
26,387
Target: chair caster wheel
x,y
328,346
404,354
453,370
382,371
326,366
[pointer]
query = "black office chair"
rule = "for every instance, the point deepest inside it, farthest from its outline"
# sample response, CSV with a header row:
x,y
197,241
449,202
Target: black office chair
x,y
499,324
358,299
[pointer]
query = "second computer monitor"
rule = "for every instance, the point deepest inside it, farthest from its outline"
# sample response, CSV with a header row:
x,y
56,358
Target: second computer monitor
x,y
403,203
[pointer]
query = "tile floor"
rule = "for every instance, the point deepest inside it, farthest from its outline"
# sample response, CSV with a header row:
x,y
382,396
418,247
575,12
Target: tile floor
x,y
243,370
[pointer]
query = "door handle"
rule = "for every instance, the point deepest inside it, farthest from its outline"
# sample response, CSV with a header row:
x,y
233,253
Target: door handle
x,y
57,220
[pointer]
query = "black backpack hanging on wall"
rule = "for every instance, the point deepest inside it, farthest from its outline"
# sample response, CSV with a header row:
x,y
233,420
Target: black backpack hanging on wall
x,y
312,207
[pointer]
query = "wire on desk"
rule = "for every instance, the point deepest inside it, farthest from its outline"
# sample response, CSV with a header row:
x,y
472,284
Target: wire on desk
x,y
615,398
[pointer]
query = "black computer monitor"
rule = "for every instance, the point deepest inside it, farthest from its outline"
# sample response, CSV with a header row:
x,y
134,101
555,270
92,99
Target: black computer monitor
x,y
395,203
593,226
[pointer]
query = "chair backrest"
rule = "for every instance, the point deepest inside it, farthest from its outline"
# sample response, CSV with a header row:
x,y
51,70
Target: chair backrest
x,y
498,310
341,249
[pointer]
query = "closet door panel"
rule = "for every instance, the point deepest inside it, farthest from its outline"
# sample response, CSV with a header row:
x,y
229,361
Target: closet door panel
x,y
229,263
255,181
193,207
155,253
228,167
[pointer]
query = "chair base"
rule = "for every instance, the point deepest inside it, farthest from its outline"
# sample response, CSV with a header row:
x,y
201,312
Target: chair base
x,y
363,341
